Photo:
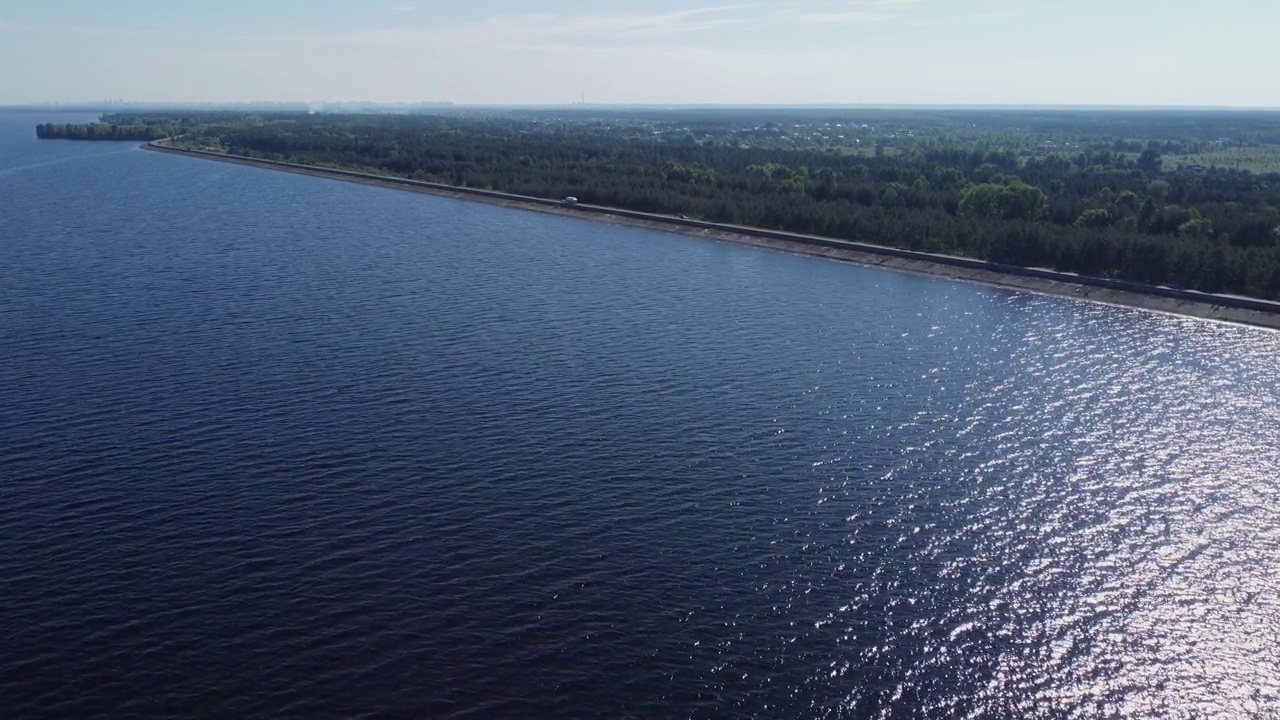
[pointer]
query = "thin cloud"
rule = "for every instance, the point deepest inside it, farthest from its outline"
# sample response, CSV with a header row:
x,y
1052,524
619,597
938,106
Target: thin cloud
x,y
626,24
843,18
864,11
532,28
622,30
93,30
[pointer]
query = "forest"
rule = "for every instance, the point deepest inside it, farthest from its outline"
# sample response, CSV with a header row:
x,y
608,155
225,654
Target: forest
x,y
1106,193
104,131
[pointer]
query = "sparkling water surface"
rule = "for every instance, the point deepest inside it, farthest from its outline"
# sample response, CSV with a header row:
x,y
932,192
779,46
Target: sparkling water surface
x,y
278,446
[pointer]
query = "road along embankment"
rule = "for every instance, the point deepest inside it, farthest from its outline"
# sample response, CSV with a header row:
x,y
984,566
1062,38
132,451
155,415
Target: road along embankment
x,y
1227,308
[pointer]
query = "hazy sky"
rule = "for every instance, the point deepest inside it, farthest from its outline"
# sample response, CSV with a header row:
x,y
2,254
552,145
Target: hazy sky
x,y
1130,52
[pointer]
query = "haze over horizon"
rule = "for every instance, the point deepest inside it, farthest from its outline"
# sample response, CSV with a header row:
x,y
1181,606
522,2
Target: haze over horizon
x,y
808,52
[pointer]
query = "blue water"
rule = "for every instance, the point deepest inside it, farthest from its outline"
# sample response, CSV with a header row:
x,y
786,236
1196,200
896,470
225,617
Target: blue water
x,y
278,446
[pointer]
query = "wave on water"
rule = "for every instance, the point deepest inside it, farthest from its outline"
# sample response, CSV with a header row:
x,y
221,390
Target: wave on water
x,y
272,445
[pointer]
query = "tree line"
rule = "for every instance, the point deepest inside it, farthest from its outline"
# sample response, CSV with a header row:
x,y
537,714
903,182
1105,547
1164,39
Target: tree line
x,y
1085,200
103,131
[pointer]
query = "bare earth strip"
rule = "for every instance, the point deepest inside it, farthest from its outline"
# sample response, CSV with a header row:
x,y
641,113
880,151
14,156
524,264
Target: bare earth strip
x,y
1232,309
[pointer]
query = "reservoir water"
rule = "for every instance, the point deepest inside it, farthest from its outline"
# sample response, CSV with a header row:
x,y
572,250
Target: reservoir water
x,y
279,446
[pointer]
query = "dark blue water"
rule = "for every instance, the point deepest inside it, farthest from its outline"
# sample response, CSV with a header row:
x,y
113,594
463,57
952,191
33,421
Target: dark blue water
x,y
277,446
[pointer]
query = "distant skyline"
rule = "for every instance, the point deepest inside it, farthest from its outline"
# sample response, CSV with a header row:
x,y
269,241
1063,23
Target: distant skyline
x,y
805,52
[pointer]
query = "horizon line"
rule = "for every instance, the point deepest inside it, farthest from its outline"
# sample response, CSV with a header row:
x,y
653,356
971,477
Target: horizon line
x,y
576,105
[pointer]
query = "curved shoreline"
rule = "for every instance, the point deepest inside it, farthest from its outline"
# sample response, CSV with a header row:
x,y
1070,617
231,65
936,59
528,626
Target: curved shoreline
x,y
1225,308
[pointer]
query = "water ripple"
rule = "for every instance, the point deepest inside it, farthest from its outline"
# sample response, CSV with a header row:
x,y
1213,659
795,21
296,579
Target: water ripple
x,y
274,446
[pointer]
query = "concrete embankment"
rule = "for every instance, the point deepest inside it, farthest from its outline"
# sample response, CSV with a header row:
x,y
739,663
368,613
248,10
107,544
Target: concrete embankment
x,y
1163,299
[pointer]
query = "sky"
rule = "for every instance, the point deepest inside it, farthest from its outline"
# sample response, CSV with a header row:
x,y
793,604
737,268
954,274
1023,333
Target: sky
x,y
803,52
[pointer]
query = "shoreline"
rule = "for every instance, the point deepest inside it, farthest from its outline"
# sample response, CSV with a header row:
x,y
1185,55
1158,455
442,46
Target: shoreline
x,y
1232,309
